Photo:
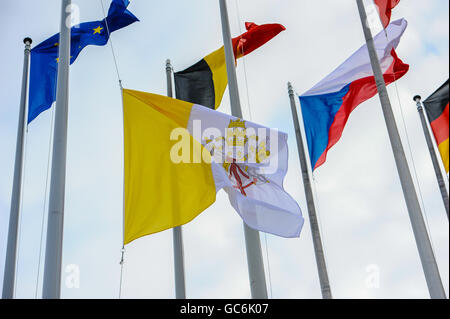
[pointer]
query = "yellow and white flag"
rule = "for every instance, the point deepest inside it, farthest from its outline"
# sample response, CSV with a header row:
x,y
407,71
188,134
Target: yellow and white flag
x,y
178,155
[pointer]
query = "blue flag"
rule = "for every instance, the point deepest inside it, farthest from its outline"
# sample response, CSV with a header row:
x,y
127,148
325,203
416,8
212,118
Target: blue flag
x,y
44,57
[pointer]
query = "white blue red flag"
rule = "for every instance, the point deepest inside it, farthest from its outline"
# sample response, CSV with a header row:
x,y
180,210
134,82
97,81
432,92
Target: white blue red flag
x,y
327,106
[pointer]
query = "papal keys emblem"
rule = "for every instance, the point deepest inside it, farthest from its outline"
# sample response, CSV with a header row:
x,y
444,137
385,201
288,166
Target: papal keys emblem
x,y
235,150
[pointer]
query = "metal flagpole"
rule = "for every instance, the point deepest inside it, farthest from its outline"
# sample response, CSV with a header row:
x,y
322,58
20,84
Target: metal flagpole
x,y
434,159
178,253
315,232
53,251
252,241
11,249
426,254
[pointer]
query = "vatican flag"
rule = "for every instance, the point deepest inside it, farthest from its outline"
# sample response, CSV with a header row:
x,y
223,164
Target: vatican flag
x,y
178,155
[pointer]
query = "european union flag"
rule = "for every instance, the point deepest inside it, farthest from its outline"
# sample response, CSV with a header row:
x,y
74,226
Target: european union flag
x,y
44,57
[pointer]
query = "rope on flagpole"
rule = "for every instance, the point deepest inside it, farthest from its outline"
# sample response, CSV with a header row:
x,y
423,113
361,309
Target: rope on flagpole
x,y
315,195
238,16
122,261
45,197
111,45
268,265
319,219
243,61
122,250
21,210
416,176
50,138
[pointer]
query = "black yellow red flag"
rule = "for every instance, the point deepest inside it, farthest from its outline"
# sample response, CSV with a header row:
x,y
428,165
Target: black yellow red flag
x,y
205,82
436,106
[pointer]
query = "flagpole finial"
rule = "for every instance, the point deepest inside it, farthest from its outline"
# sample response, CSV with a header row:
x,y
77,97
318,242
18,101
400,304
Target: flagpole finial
x,y
290,89
27,40
418,101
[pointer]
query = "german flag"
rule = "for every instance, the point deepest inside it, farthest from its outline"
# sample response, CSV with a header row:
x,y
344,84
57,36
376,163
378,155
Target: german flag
x,y
436,106
205,82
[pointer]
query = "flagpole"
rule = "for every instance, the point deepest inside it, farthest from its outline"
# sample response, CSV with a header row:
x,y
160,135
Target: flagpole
x,y
178,253
315,232
11,248
252,241
426,254
53,253
434,159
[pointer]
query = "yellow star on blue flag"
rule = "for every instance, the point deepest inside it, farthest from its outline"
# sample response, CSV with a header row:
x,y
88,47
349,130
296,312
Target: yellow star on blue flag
x,y
44,57
98,30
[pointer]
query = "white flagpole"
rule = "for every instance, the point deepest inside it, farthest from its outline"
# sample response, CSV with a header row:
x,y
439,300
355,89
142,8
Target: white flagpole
x,y
315,231
427,258
11,248
178,253
252,241
53,252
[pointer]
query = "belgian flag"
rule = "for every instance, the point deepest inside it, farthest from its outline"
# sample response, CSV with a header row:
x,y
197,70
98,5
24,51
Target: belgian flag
x,y
204,83
436,106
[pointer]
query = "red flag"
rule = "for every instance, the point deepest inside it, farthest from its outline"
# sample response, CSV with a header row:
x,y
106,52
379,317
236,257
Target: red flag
x,y
255,37
385,8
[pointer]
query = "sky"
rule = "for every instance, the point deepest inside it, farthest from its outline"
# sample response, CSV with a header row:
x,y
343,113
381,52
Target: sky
x,y
367,236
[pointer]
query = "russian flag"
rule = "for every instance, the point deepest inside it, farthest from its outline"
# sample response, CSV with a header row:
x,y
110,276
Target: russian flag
x,y
327,106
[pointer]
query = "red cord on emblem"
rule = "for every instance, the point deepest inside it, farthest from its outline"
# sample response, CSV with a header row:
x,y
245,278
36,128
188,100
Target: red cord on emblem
x,y
235,170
